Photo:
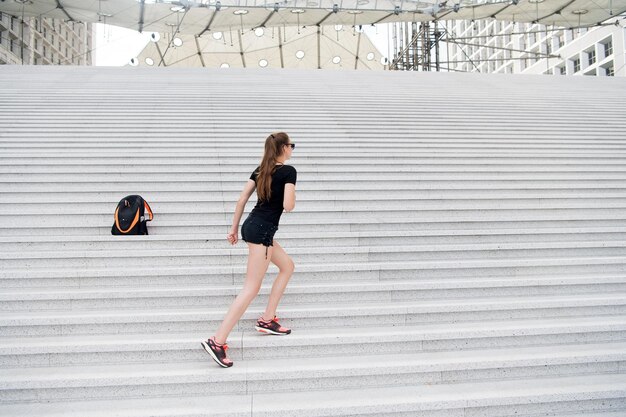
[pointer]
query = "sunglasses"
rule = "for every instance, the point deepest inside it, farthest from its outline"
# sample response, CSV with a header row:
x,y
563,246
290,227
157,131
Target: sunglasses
x,y
293,145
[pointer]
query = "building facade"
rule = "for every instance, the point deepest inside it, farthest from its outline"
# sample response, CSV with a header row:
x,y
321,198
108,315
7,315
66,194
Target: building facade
x,y
490,46
40,41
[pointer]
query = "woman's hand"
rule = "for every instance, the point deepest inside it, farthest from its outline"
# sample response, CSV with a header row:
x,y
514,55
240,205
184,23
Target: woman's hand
x,y
233,236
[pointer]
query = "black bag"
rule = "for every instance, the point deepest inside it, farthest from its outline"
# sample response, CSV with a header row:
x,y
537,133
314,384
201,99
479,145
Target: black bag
x,y
129,216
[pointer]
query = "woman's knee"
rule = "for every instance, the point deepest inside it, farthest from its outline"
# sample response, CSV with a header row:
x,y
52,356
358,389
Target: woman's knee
x,y
288,267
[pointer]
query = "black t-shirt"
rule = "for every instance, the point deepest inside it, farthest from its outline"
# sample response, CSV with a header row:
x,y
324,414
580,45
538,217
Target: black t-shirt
x,y
272,210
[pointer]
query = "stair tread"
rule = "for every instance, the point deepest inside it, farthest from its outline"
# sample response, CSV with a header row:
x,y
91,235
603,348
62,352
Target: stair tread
x,y
378,399
300,309
20,378
305,336
318,234
400,248
317,267
133,291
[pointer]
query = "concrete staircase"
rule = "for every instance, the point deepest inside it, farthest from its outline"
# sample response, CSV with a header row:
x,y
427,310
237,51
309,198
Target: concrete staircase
x,y
459,242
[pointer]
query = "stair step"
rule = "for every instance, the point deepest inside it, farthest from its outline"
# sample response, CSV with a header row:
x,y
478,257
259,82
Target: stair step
x,y
319,238
303,224
398,313
309,255
338,215
372,271
56,298
563,395
310,342
312,206
259,375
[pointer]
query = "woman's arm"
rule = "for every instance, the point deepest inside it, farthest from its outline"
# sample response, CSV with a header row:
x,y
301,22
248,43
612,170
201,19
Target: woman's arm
x,y
289,200
233,236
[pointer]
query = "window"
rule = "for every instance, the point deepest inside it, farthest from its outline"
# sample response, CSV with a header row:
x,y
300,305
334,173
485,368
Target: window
x,y
561,40
549,47
562,70
591,57
608,48
610,71
576,62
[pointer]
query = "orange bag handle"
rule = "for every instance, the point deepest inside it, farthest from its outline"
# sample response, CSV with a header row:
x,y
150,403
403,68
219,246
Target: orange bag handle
x,y
147,207
117,222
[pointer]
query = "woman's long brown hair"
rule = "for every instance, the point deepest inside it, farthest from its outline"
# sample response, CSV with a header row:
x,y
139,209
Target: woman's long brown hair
x,y
273,149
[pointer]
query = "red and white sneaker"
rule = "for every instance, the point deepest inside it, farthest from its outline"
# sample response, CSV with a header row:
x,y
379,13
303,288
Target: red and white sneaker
x,y
217,352
271,327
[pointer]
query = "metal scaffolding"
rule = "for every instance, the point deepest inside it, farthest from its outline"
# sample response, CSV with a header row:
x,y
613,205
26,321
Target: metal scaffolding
x,y
416,47
425,46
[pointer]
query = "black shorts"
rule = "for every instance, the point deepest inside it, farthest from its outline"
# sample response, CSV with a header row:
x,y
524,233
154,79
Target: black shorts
x,y
257,230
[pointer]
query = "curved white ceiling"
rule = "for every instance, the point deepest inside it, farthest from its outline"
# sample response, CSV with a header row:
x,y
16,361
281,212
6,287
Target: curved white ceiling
x,y
202,16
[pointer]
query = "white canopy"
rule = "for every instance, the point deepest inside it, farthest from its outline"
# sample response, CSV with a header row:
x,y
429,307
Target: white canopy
x,y
332,47
202,16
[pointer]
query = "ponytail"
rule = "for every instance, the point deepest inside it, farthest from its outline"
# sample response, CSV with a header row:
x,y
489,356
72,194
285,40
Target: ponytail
x,y
273,149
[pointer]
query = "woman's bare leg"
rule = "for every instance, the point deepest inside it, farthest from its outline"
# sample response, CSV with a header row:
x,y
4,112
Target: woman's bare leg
x,y
257,267
286,267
